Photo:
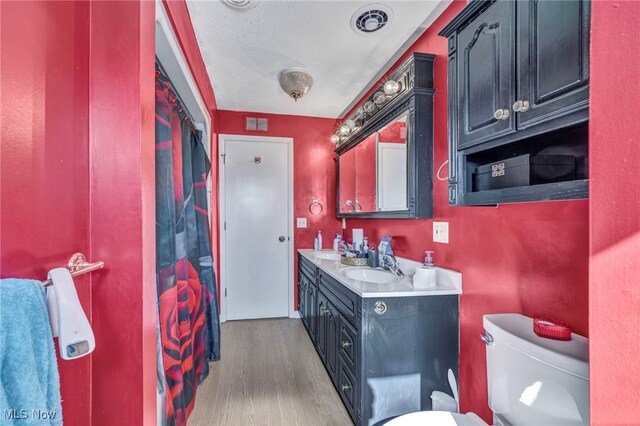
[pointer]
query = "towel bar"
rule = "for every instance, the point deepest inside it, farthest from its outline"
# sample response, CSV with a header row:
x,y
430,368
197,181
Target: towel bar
x,y
78,265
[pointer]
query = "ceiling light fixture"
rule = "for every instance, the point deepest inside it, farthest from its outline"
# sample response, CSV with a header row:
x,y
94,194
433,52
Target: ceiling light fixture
x,y
296,82
240,4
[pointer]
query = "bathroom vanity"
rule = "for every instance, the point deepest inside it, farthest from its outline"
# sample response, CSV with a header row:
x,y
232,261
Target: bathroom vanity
x,y
385,345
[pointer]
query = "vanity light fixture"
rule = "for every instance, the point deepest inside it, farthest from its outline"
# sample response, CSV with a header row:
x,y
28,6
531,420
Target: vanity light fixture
x,y
335,139
344,130
295,82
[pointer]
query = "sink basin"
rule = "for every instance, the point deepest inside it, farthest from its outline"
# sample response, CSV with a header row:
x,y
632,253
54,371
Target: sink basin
x,y
369,275
327,256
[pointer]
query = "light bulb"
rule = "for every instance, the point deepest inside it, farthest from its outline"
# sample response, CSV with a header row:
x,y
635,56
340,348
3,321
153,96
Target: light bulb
x,y
369,107
344,130
379,98
391,87
335,138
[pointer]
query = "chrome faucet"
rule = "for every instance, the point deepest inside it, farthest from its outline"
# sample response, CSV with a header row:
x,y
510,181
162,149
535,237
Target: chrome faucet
x,y
390,263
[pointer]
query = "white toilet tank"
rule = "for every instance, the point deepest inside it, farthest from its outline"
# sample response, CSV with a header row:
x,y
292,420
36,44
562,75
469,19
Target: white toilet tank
x,y
532,380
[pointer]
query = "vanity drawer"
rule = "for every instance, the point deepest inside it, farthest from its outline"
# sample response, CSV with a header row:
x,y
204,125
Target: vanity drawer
x,y
345,300
307,268
347,344
348,388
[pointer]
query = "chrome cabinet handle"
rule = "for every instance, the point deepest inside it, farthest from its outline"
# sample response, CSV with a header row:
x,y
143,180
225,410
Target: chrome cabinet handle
x,y
487,338
345,388
345,344
521,106
501,114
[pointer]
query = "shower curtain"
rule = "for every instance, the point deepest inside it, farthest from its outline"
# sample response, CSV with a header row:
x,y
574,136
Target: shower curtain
x,y
188,322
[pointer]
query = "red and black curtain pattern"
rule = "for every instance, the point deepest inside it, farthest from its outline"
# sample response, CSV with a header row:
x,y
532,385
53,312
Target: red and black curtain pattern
x,y
188,322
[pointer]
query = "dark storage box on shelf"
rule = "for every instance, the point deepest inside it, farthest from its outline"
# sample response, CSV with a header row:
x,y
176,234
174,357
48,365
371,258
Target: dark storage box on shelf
x,y
524,170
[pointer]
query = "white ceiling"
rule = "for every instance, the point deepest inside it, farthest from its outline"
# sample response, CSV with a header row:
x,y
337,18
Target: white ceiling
x,y
245,50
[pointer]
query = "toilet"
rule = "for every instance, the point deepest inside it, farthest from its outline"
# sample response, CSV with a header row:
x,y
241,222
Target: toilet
x,y
531,380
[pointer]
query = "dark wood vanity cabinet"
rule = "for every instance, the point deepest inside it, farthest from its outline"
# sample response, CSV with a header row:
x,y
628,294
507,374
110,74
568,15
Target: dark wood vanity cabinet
x,y
518,84
382,354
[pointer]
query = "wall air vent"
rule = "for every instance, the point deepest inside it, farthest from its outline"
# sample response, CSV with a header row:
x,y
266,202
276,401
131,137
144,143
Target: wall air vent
x,y
371,18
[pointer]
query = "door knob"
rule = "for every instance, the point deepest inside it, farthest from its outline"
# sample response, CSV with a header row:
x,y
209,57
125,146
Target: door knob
x,y
281,239
501,114
521,106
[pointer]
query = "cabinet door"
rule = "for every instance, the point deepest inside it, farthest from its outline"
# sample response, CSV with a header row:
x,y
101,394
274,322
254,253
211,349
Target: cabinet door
x,y
321,327
302,295
310,309
553,60
486,75
333,326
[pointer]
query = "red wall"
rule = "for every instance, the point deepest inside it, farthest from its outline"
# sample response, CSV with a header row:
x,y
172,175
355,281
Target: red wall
x,y
614,158
44,169
122,210
77,174
314,173
525,258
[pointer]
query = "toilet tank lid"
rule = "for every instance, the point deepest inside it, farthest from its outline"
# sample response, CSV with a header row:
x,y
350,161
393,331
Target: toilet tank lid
x,y
516,331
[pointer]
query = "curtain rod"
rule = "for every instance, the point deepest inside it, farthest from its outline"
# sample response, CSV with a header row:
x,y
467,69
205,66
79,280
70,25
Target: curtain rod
x,y
162,71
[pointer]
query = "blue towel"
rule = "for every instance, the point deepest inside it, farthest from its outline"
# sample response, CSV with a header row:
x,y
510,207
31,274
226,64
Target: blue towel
x,y
29,381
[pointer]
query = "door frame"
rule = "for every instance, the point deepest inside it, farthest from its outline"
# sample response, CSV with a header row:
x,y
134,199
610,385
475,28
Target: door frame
x,y
222,139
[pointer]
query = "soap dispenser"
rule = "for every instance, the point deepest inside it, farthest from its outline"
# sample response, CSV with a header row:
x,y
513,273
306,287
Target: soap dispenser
x,y
425,276
319,237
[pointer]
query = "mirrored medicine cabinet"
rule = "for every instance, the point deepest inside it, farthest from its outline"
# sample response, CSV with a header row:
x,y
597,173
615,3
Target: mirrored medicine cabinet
x,y
385,162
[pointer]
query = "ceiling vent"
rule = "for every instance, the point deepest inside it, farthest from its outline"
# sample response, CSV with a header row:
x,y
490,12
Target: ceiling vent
x,y
241,4
371,18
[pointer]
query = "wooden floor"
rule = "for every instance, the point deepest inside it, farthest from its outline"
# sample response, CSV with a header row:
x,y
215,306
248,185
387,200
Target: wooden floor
x,y
270,374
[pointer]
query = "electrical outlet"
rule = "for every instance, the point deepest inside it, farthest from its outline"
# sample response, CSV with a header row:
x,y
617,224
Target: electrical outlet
x,y
441,232
301,222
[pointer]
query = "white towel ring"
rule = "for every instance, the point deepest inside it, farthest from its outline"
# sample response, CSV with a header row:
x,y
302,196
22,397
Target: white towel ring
x,y
313,207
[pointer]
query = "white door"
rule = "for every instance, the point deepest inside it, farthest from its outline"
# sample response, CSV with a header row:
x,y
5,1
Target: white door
x,y
256,204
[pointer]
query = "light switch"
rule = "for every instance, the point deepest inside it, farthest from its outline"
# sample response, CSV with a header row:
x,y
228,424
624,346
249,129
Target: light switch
x,y
441,232
302,222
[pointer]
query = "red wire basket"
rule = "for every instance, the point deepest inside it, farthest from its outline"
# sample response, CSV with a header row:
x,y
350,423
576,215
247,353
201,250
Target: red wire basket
x,y
551,329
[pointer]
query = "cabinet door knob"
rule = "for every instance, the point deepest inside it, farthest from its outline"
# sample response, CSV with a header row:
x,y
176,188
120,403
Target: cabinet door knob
x,y
345,344
521,106
345,388
501,114
380,307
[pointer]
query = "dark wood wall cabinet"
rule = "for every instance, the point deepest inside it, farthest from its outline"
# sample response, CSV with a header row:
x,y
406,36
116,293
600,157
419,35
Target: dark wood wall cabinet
x,y
518,85
382,354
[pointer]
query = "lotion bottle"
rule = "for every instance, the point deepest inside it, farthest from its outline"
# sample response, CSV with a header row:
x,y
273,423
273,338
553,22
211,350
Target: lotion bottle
x,y
425,275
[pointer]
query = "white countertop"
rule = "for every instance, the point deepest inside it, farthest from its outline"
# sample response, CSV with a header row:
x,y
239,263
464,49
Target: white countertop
x,y
447,281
